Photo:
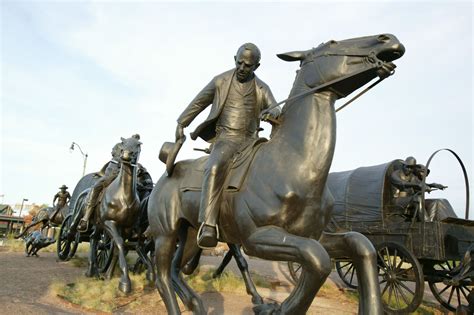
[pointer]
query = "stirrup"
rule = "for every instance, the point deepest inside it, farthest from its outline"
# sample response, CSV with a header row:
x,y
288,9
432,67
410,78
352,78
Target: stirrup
x,y
80,228
199,233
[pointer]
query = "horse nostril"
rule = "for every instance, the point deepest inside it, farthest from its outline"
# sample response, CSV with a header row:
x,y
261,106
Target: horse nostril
x,y
383,38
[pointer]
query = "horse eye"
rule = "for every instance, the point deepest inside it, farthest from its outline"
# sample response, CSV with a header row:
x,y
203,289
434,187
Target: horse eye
x,y
383,38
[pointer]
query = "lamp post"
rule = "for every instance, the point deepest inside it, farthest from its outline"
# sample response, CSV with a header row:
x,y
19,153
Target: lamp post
x,y
84,156
21,209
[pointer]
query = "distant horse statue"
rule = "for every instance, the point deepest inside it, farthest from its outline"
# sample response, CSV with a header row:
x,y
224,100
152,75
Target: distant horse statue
x,y
281,209
118,212
47,218
36,241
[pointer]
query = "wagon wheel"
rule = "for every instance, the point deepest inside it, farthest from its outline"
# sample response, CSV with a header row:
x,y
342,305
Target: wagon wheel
x,y
346,271
401,278
449,293
65,248
105,249
295,271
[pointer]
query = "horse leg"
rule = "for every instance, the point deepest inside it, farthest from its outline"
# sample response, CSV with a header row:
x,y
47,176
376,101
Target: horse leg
x,y
187,295
191,266
274,243
164,249
150,272
244,270
92,269
227,258
113,263
125,285
364,257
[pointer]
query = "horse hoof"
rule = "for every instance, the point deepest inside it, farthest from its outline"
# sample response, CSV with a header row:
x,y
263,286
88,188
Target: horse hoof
x,y
257,300
125,286
91,273
267,309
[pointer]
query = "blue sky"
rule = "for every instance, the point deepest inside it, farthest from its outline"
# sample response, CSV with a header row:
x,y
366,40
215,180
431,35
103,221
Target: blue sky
x,y
91,72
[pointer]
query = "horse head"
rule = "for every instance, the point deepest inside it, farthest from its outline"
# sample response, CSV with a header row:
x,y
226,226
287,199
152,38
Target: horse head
x,y
130,150
347,64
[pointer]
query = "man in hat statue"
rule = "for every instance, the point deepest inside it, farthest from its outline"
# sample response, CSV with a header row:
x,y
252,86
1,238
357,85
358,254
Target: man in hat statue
x,y
238,98
62,198
407,183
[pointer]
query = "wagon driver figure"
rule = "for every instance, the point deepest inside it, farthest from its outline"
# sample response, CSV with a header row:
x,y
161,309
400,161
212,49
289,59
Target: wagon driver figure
x,y
63,198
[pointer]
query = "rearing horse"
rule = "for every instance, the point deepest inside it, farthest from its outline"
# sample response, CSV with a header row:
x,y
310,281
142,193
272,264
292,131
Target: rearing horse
x,y
283,206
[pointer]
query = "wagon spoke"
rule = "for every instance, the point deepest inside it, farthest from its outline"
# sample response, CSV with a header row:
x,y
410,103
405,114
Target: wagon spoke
x,y
405,287
451,295
462,290
458,294
348,270
395,290
342,267
388,258
390,292
445,288
383,260
402,294
394,259
404,271
385,288
298,269
402,260
352,275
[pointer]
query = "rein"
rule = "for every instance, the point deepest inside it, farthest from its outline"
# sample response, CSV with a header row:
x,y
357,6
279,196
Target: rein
x,y
377,64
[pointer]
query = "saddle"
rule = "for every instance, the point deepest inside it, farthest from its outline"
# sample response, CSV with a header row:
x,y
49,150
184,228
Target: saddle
x,y
237,173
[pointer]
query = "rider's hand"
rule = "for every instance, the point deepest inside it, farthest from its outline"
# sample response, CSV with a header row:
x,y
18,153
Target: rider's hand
x,y
179,132
273,113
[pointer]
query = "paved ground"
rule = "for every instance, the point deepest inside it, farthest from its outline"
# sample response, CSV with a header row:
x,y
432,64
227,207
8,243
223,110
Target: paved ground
x,y
25,289
25,282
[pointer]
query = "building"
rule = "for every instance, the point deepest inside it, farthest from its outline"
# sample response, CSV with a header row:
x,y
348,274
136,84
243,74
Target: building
x,y
8,222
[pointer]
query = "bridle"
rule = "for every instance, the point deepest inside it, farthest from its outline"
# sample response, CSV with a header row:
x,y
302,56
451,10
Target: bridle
x,y
371,57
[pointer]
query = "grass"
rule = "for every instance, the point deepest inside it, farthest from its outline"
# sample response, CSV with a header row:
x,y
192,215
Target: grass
x,y
97,294
18,245
104,295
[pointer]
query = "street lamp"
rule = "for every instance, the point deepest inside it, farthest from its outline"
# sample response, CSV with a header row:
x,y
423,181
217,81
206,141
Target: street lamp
x,y
84,156
22,203
21,209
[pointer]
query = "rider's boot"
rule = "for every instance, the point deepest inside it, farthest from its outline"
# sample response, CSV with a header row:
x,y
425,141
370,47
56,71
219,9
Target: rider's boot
x,y
207,237
83,225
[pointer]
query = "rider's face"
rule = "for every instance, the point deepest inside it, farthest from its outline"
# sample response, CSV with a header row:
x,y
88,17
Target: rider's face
x,y
245,64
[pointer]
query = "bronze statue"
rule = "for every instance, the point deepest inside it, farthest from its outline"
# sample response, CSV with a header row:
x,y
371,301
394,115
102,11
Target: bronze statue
x,y
281,207
407,185
51,216
63,198
36,241
107,174
238,97
118,210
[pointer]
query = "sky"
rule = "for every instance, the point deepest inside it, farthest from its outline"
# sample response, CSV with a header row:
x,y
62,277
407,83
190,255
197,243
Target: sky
x,y
94,71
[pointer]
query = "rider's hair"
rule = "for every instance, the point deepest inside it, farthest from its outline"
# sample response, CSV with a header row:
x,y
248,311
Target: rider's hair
x,y
253,48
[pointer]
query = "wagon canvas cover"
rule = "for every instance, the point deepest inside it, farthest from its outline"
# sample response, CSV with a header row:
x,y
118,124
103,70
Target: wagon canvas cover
x,y
358,194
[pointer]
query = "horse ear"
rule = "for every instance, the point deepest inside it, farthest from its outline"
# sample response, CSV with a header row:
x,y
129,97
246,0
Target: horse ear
x,y
123,139
292,56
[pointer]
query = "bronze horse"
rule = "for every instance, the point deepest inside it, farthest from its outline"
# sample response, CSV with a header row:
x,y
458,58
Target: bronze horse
x,y
44,216
118,212
284,205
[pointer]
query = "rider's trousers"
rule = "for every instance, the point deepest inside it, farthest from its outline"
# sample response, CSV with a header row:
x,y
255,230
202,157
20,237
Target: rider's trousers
x,y
215,173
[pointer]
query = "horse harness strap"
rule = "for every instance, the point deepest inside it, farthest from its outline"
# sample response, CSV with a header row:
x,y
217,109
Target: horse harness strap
x,y
377,64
